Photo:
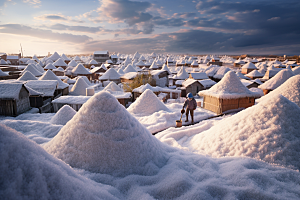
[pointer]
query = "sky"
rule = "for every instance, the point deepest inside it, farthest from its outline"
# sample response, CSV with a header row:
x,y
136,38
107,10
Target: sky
x,y
161,26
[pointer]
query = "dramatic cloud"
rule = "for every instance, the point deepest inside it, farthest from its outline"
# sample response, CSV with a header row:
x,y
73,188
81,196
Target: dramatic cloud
x,y
57,17
18,29
130,12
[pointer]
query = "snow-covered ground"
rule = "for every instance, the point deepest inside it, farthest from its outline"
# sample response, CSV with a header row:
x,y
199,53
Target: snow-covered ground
x,y
105,153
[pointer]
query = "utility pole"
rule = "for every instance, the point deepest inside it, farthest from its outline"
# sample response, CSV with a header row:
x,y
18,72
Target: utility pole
x,y
21,50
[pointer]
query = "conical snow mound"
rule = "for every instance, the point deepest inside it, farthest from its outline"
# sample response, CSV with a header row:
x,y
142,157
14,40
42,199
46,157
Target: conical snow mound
x,y
27,76
289,89
103,137
79,87
229,87
269,131
277,80
64,115
113,87
29,172
147,104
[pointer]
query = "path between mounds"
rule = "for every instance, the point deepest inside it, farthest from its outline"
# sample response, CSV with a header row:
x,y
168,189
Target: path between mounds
x,y
189,124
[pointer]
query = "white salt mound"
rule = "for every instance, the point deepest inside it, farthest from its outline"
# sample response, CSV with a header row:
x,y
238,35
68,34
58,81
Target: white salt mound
x,y
269,131
29,172
147,104
27,76
229,87
64,115
79,87
289,89
113,87
277,80
103,137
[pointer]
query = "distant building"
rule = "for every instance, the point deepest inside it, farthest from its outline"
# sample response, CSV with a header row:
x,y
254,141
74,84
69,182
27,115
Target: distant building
x,y
3,56
101,56
14,60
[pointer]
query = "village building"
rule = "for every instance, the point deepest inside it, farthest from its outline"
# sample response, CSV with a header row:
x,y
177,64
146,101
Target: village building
x,y
114,59
65,58
194,64
80,70
62,88
98,71
59,71
129,68
31,68
123,97
198,76
250,83
13,59
27,76
128,77
181,75
14,99
238,63
160,77
101,56
49,66
228,94
215,61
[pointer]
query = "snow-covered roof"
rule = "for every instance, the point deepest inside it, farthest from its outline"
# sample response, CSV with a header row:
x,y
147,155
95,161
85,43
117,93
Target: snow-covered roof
x,y
188,82
12,57
64,57
49,75
80,69
50,66
3,73
129,68
85,79
10,90
60,62
46,87
100,52
140,63
27,76
93,62
72,63
242,76
182,74
32,69
249,65
129,75
230,87
207,83
277,80
142,88
79,100
199,75
55,56
110,74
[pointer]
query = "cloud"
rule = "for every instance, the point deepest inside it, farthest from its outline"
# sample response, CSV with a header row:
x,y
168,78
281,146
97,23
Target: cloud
x,y
130,12
57,17
85,29
35,3
18,29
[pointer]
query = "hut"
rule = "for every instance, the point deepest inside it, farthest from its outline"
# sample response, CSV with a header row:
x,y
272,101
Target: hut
x,y
59,71
62,88
192,86
250,83
160,77
92,62
238,63
198,76
14,98
32,69
140,64
101,56
129,68
181,75
128,77
114,59
228,94
247,68
45,87
14,60
276,81
194,64
79,88
49,66
98,71
65,58
27,76
254,74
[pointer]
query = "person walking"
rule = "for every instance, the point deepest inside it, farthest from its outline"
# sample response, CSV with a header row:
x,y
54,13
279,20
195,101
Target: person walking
x,y
190,105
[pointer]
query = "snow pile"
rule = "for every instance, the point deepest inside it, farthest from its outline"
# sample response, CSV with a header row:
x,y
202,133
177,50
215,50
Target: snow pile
x,y
142,88
80,69
49,75
64,115
27,76
115,144
72,63
166,68
32,69
3,62
182,74
110,74
211,70
79,87
242,76
3,73
147,103
153,66
60,63
296,70
221,72
50,66
55,56
112,86
268,131
230,87
289,89
85,79
255,74
29,172
128,69
249,65
277,80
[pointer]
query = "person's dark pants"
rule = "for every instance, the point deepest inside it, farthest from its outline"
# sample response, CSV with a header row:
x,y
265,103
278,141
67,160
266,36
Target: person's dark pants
x,y
187,114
